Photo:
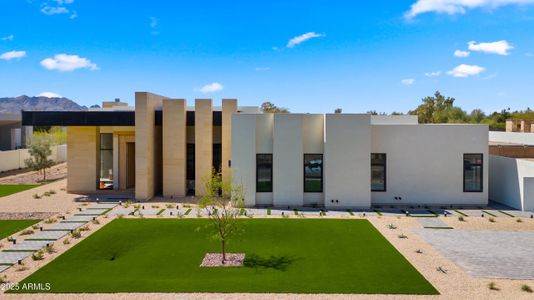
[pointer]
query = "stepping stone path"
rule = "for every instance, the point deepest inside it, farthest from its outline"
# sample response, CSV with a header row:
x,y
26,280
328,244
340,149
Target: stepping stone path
x,y
13,257
473,212
391,212
420,212
360,212
121,211
433,223
63,226
30,246
92,212
47,235
78,219
148,211
173,212
496,213
37,241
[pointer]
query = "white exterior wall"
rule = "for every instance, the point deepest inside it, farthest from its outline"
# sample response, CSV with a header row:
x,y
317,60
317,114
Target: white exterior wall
x,y
392,120
524,138
511,182
244,155
425,163
288,159
347,160
312,143
264,145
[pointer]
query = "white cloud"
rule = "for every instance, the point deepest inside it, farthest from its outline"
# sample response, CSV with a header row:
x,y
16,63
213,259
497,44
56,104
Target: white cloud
x,y
460,53
7,38
260,69
408,81
302,38
50,95
67,63
499,47
433,74
53,10
463,71
12,55
211,88
153,24
529,54
452,7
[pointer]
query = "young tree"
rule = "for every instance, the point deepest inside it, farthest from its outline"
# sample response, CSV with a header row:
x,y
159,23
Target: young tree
x,y
269,107
338,111
222,201
40,150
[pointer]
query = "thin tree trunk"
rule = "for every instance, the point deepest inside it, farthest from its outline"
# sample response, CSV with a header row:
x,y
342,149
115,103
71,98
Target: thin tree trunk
x,y
223,252
44,174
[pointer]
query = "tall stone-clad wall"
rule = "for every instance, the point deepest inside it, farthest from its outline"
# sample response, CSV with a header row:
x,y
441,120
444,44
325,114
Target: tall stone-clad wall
x,y
203,143
83,159
174,147
145,144
229,107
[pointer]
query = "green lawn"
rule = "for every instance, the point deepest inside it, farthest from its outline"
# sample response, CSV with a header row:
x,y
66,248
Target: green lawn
x,y
8,227
287,255
8,189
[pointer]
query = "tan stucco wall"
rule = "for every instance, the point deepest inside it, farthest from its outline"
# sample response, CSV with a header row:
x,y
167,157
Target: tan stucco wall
x,y
229,106
203,142
123,171
83,158
145,144
174,147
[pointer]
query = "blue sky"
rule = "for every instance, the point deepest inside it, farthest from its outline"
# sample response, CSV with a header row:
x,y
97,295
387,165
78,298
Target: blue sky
x,y
357,55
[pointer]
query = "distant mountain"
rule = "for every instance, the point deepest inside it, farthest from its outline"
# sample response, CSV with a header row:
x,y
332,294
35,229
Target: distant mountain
x,y
16,104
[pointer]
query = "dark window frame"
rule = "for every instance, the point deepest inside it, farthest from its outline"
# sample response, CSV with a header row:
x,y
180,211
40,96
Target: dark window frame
x,y
385,172
304,172
481,190
257,154
100,150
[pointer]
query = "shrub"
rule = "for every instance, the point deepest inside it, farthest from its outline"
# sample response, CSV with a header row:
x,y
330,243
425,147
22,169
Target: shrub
x,y
518,220
21,268
76,234
36,196
402,236
38,255
84,228
35,227
27,232
50,249
461,218
128,203
51,192
95,221
169,205
419,251
47,194
491,219
526,288
3,279
492,286
155,206
50,221
66,241
392,226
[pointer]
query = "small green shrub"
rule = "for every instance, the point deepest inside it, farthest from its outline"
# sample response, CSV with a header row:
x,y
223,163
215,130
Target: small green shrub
x,y
50,249
50,221
518,220
3,279
36,196
419,251
526,288
84,228
492,286
461,218
66,241
491,219
35,227
38,255
52,192
169,205
47,194
76,234
21,268
402,236
27,232
95,221
155,206
268,211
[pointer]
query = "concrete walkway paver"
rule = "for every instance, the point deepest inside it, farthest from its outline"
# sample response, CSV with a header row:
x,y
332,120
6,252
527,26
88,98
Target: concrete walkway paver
x,y
12,257
432,223
78,219
47,235
64,226
91,212
29,246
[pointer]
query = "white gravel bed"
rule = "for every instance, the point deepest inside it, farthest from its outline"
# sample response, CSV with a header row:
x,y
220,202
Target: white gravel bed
x,y
215,260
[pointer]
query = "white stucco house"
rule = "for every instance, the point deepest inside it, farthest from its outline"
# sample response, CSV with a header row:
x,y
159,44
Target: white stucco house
x,y
358,160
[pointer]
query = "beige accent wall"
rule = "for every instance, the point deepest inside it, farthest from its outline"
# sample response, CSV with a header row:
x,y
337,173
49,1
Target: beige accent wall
x,y
174,147
203,143
110,104
229,107
146,149
123,159
83,159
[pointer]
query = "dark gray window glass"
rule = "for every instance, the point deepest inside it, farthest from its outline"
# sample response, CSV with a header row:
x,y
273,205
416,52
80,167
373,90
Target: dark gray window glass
x,y
106,161
313,173
378,172
473,171
264,173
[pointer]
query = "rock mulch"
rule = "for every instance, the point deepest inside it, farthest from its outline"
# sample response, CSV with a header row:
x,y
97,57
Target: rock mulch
x,y
26,215
54,173
215,260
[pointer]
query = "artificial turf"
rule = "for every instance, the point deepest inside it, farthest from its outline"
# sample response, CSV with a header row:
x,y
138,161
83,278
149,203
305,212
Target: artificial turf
x,y
8,189
283,255
9,227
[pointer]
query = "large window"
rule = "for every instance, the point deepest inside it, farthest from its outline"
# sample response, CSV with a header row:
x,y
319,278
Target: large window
x,y
264,173
473,172
106,161
378,172
313,173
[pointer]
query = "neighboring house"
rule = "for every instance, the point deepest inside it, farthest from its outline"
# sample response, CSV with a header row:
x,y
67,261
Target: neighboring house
x,y
12,133
162,147
520,126
512,169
